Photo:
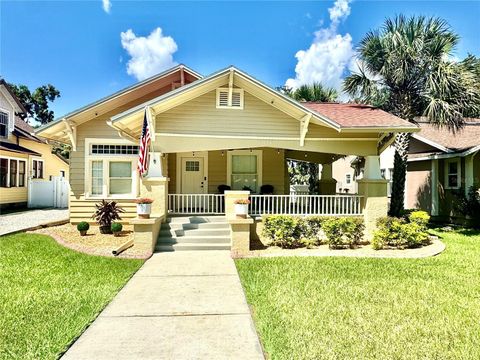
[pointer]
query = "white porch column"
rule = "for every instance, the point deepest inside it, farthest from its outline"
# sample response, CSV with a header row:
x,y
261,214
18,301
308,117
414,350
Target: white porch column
x,y
155,166
373,188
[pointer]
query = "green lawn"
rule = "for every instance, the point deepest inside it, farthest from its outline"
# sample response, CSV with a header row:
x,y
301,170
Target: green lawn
x,y
49,294
346,308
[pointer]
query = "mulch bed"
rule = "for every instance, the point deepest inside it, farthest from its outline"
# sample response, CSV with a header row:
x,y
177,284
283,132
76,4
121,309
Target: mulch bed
x,y
94,243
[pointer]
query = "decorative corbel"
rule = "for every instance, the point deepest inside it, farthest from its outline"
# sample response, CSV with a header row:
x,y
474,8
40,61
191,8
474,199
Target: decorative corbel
x,y
304,121
71,131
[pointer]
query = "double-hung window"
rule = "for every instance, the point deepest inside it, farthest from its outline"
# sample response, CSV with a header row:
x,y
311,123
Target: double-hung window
x,y
37,169
3,124
244,170
12,172
452,173
111,168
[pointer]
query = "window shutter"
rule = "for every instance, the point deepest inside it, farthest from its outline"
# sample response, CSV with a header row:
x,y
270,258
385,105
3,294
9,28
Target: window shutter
x,y
223,98
236,99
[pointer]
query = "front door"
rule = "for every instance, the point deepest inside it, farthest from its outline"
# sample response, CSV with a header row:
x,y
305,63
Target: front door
x,y
193,181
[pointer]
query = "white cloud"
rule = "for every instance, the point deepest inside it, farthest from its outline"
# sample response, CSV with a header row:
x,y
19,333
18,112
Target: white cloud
x,y
329,55
107,5
149,55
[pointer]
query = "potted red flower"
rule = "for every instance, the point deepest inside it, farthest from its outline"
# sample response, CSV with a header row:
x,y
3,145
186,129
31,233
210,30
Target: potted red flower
x,y
144,207
241,207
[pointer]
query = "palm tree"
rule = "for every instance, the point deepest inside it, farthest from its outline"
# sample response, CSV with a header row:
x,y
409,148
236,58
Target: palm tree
x,y
314,92
406,69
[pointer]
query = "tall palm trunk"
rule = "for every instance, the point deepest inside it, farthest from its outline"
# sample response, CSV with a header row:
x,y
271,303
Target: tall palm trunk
x,y
402,142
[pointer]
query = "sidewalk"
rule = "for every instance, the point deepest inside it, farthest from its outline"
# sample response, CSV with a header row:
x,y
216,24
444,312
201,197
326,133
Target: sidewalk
x,y
30,218
180,305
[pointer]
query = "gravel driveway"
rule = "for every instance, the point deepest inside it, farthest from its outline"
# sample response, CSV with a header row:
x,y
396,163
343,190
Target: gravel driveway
x,y
27,219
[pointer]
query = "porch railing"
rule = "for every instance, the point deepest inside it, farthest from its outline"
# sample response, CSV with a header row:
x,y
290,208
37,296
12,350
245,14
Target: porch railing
x,y
196,203
327,205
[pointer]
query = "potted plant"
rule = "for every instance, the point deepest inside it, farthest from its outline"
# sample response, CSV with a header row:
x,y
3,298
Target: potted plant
x,y
116,228
83,227
144,207
106,213
241,207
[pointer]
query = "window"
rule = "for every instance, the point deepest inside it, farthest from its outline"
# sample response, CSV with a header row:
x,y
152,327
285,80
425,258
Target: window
x,y
114,149
244,169
13,173
3,172
3,124
37,169
21,173
223,99
62,173
97,177
192,165
120,174
452,174
348,179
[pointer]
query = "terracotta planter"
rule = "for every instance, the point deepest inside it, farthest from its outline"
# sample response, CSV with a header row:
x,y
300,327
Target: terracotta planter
x,y
144,210
83,232
241,210
117,233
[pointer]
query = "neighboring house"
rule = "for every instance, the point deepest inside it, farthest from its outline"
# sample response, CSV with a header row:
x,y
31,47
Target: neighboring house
x,y
24,156
224,129
440,164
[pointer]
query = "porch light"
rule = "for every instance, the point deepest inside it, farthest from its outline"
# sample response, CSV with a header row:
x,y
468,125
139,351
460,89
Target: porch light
x,y
278,151
223,153
193,153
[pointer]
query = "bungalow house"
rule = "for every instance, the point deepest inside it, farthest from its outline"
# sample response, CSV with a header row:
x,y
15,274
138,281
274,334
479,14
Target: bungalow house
x,y
442,164
24,156
224,131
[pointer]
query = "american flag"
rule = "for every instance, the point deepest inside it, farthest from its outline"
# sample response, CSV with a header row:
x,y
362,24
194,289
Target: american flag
x,y
144,144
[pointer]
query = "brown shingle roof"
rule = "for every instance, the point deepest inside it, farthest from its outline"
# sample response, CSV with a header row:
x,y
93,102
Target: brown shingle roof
x,y
467,137
357,115
26,130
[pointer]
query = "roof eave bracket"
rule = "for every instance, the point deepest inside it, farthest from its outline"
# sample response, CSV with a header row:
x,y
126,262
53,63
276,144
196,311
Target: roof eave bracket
x,y
304,122
71,130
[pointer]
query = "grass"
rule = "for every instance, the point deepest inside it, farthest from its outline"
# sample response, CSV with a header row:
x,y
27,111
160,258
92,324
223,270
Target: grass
x,y
50,294
347,308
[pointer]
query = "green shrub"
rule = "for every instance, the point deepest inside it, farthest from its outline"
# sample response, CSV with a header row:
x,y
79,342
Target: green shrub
x,y
283,231
311,230
419,217
399,233
116,227
83,226
343,232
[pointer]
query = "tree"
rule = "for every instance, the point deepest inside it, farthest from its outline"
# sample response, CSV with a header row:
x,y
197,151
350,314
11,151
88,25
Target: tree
x,y
36,103
315,92
406,68
304,173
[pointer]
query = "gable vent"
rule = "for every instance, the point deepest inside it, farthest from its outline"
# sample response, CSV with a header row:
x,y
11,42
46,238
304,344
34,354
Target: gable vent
x,y
222,99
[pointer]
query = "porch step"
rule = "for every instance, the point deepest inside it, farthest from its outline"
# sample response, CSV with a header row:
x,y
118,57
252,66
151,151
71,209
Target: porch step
x,y
194,233
186,247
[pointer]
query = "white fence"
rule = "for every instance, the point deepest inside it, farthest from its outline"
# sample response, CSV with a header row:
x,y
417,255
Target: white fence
x,y
196,203
48,193
328,205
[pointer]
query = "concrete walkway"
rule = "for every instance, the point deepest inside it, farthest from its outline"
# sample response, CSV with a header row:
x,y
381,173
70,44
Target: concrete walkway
x,y
180,305
29,219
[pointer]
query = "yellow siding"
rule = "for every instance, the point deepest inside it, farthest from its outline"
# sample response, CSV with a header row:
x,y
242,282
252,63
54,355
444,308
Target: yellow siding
x,y
52,164
200,116
172,173
14,194
82,209
273,170
217,170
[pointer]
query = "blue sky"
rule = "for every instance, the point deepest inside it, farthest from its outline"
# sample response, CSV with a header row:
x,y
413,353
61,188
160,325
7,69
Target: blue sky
x,y
77,46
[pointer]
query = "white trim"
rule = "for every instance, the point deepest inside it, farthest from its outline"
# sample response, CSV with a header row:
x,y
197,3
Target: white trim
x,y
229,92
459,173
260,137
107,158
431,143
179,169
37,159
9,158
258,153
9,122
434,185
447,156
469,175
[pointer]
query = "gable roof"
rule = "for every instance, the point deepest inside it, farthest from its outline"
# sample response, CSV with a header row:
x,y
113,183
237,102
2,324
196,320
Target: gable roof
x,y
447,141
358,115
107,103
20,106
